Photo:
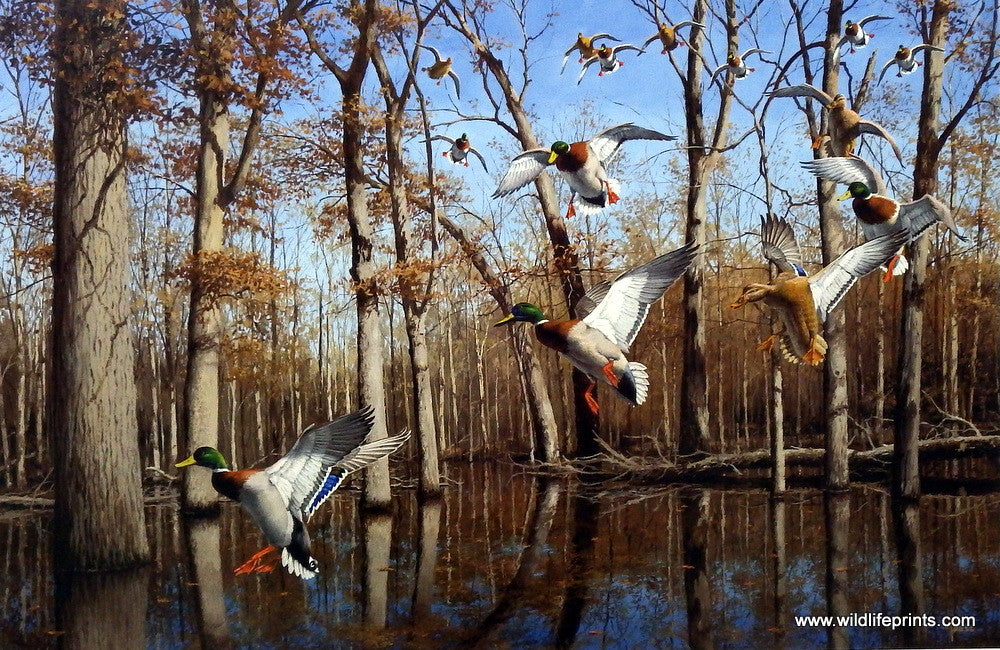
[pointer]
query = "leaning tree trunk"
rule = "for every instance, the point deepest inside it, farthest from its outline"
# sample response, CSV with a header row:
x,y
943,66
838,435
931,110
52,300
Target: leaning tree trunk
x,y
907,425
98,522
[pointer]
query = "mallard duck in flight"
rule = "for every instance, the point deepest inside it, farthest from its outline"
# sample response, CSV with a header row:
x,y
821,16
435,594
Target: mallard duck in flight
x,y
611,315
441,68
736,65
668,36
845,125
280,498
586,46
582,165
878,213
460,150
905,59
608,58
856,35
804,303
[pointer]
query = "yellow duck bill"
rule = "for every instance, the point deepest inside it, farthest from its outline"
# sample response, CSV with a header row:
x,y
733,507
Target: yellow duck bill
x,y
503,321
187,461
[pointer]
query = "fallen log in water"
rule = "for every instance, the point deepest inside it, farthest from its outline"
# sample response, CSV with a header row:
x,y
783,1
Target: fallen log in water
x,y
863,463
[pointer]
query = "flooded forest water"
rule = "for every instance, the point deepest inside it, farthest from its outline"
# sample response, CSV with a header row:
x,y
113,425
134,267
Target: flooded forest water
x,y
511,559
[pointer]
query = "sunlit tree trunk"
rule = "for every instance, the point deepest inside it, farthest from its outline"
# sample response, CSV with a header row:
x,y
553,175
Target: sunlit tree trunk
x,y
98,521
694,420
201,387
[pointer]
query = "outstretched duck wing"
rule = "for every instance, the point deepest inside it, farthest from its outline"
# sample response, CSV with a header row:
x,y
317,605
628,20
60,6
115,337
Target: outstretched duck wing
x,y
606,143
621,306
314,467
847,170
831,284
780,248
524,168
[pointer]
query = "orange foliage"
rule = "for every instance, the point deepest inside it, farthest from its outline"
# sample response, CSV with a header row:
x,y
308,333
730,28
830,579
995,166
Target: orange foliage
x,y
233,274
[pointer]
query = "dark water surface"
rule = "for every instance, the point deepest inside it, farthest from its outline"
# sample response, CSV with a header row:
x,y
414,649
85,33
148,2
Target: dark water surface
x,y
511,560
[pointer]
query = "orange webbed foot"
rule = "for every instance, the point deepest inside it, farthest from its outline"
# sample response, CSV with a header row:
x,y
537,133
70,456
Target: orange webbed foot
x,y
612,197
610,373
813,356
571,212
588,396
767,344
256,563
889,269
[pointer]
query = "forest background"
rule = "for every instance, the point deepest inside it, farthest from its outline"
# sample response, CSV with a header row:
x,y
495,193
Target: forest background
x,y
280,264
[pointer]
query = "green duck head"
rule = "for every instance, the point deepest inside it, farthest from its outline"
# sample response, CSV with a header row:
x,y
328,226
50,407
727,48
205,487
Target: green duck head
x,y
856,190
523,312
205,457
559,148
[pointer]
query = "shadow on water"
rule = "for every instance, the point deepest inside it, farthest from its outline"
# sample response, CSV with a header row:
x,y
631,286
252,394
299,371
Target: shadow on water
x,y
512,560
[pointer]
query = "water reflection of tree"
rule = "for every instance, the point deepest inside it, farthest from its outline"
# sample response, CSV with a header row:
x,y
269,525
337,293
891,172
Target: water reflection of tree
x,y
837,514
697,593
581,561
906,515
377,527
536,534
205,565
427,555
102,610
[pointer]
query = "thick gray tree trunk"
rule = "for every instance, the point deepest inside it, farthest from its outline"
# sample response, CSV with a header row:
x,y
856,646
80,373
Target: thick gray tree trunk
x,y
98,522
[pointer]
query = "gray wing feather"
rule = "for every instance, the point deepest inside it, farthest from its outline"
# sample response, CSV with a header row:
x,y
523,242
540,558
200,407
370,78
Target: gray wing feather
x,y
867,126
831,284
623,307
458,84
583,70
778,241
626,47
887,65
867,19
304,469
802,90
443,137
754,50
606,143
432,50
524,168
923,213
481,159
847,170
925,46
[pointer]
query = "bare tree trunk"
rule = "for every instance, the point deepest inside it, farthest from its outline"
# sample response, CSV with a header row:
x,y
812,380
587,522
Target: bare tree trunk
x,y
907,429
201,387
832,233
694,433
539,406
98,522
414,291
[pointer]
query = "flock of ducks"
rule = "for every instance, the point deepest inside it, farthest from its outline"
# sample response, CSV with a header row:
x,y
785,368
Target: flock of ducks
x,y
281,497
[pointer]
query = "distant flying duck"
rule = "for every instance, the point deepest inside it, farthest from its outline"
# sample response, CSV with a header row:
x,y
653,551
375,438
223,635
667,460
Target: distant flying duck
x,y
668,36
460,150
441,68
608,58
586,46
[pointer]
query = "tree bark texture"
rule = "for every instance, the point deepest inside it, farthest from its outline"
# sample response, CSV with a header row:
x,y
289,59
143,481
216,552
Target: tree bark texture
x,y
832,232
201,385
907,421
92,403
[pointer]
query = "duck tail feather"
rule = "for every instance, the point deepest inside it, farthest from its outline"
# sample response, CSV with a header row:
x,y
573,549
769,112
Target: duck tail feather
x,y
296,556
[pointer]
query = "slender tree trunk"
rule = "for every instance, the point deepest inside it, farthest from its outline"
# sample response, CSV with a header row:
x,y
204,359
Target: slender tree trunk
x,y
201,387
98,522
832,233
907,430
